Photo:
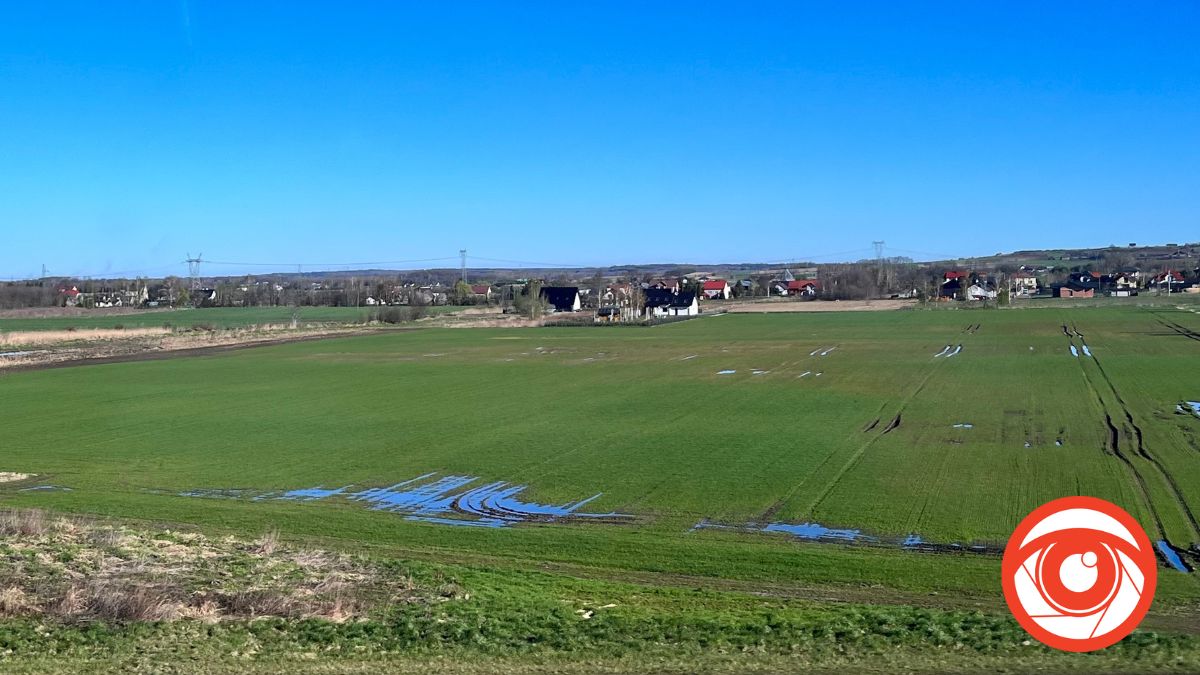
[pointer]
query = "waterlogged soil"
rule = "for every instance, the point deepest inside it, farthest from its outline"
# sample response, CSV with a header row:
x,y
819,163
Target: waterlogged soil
x,y
447,500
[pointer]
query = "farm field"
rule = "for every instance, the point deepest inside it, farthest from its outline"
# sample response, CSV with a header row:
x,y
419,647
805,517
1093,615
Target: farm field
x,y
705,453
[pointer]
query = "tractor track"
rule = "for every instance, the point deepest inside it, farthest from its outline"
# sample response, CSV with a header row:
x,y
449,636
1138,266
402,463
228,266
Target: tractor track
x,y
1135,431
858,454
1178,328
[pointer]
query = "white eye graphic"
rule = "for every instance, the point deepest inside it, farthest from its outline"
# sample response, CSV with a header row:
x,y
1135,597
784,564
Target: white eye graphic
x,y
1077,577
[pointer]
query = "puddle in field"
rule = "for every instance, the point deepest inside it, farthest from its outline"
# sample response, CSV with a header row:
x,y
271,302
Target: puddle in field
x,y
759,372
446,500
1086,351
46,488
1193,405
14,355
805,374
955,352
945,349
306,495
1172,556
963,425
815,532
726,372
1074,351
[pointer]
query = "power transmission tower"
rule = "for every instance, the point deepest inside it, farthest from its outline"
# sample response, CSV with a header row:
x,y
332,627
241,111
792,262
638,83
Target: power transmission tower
x,y
462,254
194,270
880,272
878,250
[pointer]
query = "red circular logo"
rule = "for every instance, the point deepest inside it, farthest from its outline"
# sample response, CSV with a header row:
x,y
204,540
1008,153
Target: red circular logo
x,y
1079,574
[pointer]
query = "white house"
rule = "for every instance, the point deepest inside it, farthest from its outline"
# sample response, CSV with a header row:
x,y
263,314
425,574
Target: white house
x,y
979,292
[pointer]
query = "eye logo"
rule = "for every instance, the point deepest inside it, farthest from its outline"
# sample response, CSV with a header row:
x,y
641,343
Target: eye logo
x,y
1079,574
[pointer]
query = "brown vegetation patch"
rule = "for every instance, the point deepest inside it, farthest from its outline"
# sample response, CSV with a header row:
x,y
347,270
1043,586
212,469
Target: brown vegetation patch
x,y
72,570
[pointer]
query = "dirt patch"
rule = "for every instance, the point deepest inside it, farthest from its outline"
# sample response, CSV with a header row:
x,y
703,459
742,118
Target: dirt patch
x,y
72,570
12,476
69,312
157,347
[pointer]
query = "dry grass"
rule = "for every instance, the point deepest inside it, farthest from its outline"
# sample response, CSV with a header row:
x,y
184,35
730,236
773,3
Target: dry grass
x,y
28,523
268,542
76,571
40,337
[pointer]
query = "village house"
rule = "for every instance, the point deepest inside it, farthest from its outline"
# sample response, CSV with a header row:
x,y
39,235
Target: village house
x,y
981,290
482,292
716,289
1128,280
1073,289
803,287
664,284
662,302
70,295
1170,280
616,295
952,286
1023,283
562,298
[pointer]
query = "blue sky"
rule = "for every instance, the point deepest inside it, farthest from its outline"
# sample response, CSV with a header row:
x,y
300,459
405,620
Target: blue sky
x,y
132,133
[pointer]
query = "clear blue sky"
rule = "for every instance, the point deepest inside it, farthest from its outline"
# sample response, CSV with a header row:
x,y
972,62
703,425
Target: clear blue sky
x,y
589,133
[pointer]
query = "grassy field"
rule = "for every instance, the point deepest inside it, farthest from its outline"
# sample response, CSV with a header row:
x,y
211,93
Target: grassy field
x,y
860,438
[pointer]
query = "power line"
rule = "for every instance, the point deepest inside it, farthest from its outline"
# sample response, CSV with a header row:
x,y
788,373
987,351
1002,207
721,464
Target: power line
x,y
530,263
326,264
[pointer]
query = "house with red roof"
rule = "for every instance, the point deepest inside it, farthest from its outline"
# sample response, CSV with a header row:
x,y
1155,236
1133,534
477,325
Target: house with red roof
x,y
1168,280
803,287
716,289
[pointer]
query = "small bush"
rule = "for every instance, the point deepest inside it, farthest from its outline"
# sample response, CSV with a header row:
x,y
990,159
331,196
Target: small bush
x,y
119,326
395,315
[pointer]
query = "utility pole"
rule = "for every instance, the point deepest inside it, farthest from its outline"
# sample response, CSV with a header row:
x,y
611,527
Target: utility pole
x,y
879,274
194,270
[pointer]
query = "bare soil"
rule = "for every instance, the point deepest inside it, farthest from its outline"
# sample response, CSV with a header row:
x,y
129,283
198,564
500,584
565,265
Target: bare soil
x,y
819,306
55,312
118,346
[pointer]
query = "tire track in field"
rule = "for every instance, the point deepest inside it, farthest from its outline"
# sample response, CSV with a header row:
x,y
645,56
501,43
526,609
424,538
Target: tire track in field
x,y
1131,428
1178,328
1145,453
858,453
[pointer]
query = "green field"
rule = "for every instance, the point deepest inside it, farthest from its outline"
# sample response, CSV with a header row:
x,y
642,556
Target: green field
x,y
641,417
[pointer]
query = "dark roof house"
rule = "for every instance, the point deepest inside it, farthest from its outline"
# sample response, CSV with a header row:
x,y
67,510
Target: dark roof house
x,y
562,298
